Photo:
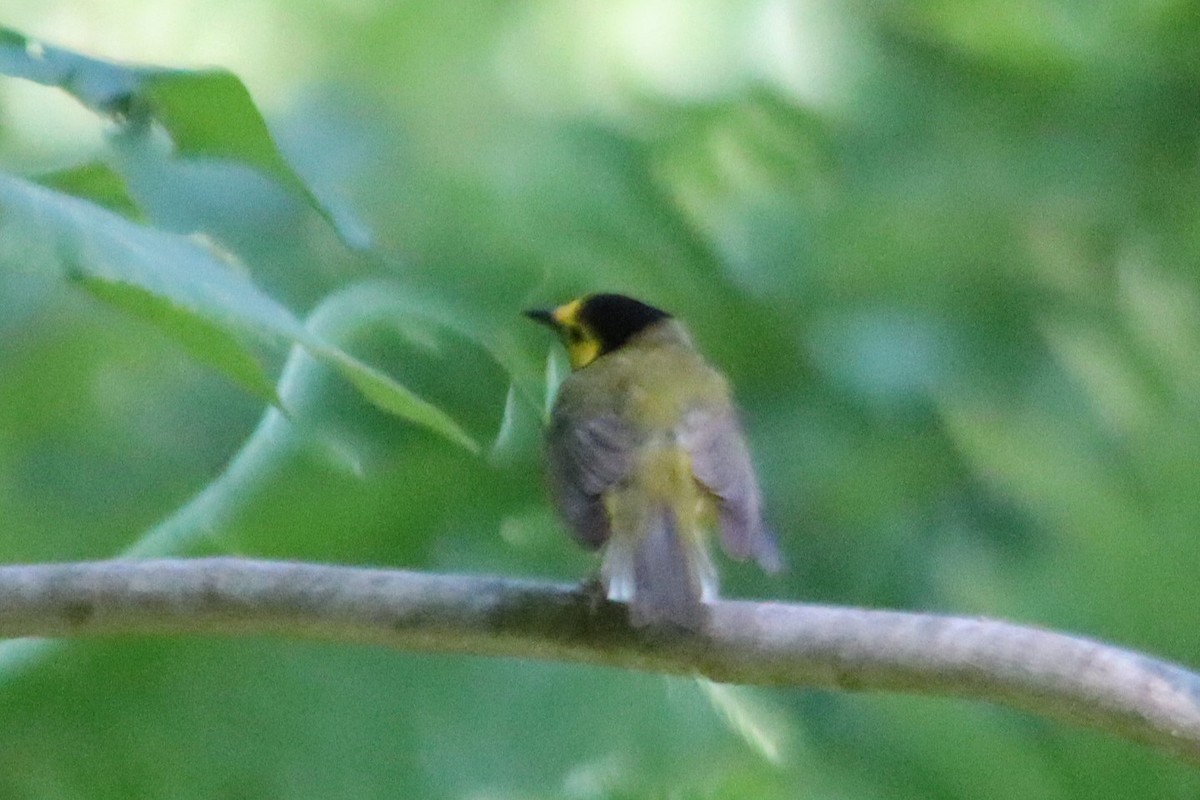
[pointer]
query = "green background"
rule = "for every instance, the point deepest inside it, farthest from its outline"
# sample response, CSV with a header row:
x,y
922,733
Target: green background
x,y
946,252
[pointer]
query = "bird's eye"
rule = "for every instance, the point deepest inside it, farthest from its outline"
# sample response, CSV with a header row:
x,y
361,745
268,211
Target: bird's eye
x,y
574,335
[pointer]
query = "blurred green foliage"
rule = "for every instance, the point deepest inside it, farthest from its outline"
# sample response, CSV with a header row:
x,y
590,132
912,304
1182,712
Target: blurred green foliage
x,y
946,252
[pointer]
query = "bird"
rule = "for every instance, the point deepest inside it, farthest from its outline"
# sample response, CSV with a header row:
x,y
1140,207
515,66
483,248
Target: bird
x,y
645,455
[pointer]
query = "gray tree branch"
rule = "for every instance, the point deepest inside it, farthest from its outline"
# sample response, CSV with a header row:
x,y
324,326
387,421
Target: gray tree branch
x,y
1059,676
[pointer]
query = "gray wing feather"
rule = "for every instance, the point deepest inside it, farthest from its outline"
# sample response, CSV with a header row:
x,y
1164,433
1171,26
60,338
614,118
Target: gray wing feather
x,y
721,462
587,458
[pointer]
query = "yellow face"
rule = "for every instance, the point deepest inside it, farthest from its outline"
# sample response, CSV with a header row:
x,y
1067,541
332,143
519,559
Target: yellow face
x,y
583,347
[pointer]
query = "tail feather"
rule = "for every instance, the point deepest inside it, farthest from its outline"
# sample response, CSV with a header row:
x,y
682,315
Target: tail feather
x,y
665,577
747,536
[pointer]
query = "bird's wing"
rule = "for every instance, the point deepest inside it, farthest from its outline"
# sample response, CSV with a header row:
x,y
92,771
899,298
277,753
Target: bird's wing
x,y
721,462
587,457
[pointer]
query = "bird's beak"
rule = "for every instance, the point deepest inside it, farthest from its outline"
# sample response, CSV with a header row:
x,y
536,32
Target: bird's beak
x,y
543,315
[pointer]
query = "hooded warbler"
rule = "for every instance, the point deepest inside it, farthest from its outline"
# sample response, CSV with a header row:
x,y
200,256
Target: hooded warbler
x,y
645,454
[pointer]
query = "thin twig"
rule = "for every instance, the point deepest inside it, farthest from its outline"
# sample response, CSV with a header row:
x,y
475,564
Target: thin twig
x,y
1059,676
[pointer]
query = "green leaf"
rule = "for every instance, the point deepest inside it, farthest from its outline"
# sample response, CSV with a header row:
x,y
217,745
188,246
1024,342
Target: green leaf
x,y
102,86
206,113
192,291
94,181
390,396
210,114
202,338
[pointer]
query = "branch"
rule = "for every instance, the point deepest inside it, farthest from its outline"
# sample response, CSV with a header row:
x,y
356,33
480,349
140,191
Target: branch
x,y
1059,676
